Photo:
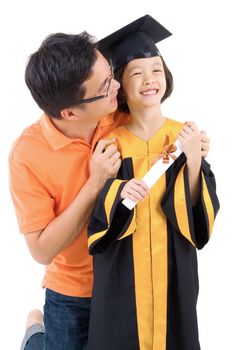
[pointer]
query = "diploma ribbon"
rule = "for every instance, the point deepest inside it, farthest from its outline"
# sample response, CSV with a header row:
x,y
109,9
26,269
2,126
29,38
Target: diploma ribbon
x,y
167,152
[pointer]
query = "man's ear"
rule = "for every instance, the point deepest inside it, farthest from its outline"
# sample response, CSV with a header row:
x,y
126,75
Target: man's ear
x,y
70,113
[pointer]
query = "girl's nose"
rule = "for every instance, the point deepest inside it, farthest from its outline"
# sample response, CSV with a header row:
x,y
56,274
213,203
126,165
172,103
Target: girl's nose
x,y
148,80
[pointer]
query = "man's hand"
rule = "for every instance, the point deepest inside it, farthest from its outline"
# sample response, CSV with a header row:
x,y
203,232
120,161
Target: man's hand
x,y
204,144
105,162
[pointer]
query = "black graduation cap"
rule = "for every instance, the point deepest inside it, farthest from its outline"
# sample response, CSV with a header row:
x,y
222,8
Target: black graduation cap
x,y
136,40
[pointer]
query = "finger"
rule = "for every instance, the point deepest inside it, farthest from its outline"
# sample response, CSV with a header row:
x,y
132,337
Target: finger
x,y
204,138
142,184
187,130
204,154
192,125
183,134
102,145
117,165
114,157
204,146
133,195
180,137
110,151
140,188
128,196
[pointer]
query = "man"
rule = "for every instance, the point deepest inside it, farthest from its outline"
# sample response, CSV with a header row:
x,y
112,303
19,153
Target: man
x,y
57,168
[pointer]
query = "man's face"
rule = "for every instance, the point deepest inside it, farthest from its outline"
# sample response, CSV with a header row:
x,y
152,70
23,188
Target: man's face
x,y
101,83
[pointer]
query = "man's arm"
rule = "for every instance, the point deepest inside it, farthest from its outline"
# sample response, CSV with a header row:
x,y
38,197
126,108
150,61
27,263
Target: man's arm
x,y
45,244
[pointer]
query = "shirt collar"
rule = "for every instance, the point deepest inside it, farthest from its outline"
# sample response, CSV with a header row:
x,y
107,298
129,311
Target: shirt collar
x,y
57,140
106,120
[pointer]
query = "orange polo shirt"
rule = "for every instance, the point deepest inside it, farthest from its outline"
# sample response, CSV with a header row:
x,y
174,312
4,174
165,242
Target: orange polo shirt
x,y
47,170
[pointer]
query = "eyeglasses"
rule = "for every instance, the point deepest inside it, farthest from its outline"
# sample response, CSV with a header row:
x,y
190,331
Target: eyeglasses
x,y
96,98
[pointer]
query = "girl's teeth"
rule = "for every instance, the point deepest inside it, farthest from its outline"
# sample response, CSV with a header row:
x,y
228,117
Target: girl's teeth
x,y
150,92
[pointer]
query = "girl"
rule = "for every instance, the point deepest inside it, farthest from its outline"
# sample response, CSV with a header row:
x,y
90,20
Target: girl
x,y
145,263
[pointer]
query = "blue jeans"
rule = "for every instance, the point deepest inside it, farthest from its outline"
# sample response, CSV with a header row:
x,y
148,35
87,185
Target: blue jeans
x,y
66,321
34,338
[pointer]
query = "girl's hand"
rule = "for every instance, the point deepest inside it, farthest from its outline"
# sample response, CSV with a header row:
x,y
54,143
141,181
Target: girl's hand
x,y
191,142
135,190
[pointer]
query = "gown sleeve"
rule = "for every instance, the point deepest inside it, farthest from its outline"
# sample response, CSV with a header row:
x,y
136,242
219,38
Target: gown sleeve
x,y
194,223
111,220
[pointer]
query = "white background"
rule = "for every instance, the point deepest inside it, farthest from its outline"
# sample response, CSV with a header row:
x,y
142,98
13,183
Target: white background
x,y
199,56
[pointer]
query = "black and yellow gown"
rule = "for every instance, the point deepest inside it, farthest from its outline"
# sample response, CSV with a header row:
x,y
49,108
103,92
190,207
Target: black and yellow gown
x,y
145,264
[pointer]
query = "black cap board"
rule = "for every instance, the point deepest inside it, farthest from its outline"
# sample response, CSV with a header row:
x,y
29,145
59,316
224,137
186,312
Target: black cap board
x,y
135,40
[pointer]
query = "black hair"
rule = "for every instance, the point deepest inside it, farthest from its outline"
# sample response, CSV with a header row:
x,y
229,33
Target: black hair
x,y
56,71
122,104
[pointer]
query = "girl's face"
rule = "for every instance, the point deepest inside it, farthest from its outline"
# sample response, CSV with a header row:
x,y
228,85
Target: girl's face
x,y
144,82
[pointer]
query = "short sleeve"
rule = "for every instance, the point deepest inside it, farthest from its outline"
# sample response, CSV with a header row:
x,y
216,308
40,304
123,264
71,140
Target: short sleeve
x,y
34,205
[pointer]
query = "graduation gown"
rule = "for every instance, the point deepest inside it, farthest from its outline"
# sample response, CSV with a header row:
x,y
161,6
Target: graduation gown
x,y
145,264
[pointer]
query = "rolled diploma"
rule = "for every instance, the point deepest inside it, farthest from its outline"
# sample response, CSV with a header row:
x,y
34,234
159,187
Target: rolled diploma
x,y
153,175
